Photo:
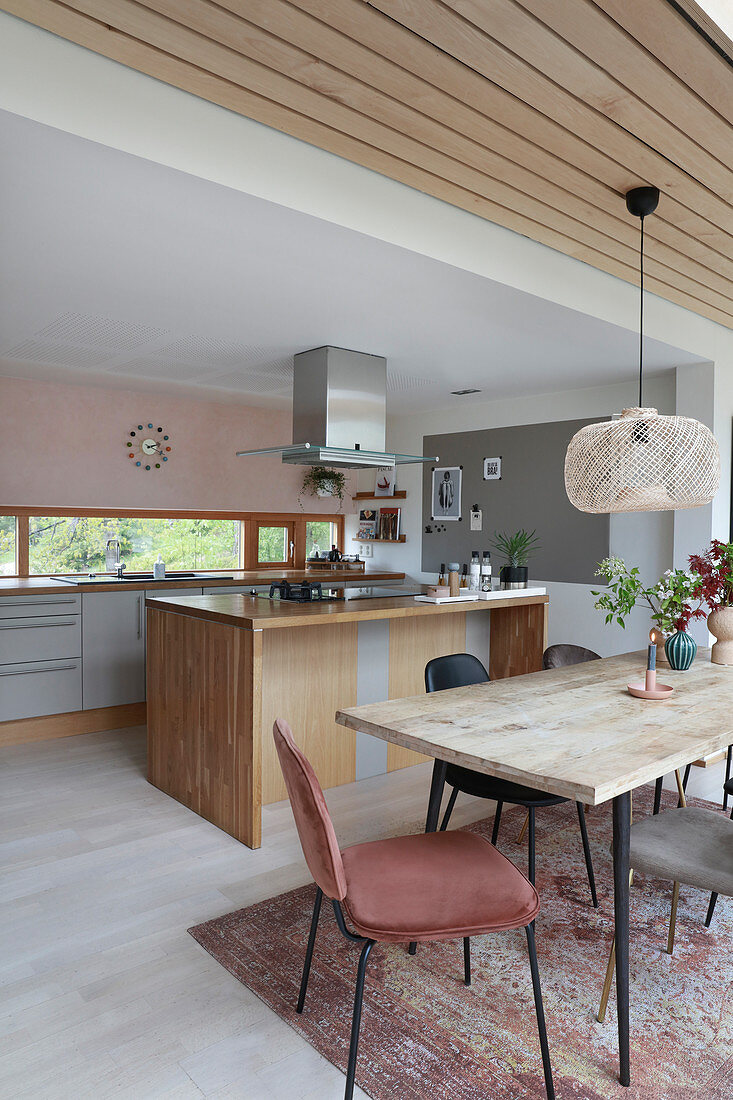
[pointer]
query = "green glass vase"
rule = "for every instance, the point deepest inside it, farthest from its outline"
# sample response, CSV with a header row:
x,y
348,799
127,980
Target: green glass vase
x,y
680,650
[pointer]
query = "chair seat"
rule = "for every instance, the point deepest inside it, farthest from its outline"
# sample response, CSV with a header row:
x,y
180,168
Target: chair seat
x,y
434,886
501,790
689,845
728,785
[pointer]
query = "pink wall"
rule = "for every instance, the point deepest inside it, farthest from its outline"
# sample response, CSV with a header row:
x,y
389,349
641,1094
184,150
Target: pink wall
x,y
64,446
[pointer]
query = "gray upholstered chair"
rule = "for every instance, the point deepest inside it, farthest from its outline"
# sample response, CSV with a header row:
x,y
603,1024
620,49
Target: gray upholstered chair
x,y
564,654
728,788
688,844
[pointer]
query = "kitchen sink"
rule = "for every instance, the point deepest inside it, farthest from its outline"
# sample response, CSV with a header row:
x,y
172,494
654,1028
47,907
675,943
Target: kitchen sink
x,y
135,578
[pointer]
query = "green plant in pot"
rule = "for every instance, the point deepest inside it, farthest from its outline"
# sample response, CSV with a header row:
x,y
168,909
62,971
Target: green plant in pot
x,y
320,481
517,548
670,601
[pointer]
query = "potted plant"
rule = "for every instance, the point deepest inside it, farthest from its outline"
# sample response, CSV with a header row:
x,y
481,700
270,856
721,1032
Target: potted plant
x,y
320,481
715,588
670,602
517,549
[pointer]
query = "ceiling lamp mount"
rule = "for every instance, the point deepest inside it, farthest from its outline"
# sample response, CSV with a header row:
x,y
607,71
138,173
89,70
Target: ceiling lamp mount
x,y
642,462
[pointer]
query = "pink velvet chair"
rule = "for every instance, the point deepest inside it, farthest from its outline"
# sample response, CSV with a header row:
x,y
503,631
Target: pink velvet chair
x,y
431,886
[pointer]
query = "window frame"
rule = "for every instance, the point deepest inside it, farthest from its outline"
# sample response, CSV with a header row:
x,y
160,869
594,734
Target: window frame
x,y
250,521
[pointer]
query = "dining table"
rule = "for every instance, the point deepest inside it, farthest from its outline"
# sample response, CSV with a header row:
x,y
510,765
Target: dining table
x,y
574,731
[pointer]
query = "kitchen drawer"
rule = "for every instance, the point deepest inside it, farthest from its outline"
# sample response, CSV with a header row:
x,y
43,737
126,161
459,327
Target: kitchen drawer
x,y
34,688
40,638
16,607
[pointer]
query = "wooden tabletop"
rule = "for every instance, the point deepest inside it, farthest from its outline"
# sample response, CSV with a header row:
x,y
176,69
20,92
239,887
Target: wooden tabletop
x,y
254,613
571,731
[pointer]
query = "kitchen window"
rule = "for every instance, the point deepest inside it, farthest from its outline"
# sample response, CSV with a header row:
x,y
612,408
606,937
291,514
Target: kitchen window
x,y
7,546
76,544
33,545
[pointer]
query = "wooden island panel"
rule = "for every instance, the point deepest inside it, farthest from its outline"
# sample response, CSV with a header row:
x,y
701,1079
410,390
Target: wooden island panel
x,y
306,671
518,640
203,739
412,643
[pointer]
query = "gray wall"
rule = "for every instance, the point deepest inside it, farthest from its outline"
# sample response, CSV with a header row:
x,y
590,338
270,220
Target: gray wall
x,y
531,494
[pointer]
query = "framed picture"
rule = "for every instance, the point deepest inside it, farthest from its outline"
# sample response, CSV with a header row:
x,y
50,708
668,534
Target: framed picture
x,y
492,469
385,481
446,495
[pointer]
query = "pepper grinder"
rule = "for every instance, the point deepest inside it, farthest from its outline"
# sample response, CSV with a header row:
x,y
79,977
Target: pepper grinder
x,y
454,579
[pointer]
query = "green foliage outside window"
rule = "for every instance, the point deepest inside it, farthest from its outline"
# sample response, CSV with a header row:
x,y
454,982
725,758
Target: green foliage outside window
x,y
66,544
272,544
7,545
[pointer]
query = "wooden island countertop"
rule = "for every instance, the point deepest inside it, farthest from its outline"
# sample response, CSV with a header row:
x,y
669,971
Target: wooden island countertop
x,y
222,668
256,613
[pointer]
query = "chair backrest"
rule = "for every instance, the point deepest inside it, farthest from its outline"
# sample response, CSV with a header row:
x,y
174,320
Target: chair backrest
x,y
455,670
564,654
313,821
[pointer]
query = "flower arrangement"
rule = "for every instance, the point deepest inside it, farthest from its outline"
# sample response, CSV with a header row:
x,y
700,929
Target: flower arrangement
x,y
714,569
671,600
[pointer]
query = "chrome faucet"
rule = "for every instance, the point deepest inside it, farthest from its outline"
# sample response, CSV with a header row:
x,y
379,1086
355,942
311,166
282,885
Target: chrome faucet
x,y
114,545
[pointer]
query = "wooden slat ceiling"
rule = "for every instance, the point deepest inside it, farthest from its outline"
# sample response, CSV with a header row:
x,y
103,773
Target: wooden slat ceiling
x,y
535,114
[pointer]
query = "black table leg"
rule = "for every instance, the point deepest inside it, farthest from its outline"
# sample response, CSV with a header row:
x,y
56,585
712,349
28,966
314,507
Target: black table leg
x,y
437,784
658,794
621,832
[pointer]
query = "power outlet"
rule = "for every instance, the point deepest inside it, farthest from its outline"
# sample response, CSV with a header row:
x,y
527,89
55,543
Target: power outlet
x,y
366,550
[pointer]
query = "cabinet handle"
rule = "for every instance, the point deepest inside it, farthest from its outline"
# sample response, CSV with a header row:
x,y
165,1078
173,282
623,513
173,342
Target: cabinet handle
x,y
32,671
36,626
6,602
139,616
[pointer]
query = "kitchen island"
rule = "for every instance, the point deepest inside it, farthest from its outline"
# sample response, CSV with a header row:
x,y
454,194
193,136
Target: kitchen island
x,y
221,668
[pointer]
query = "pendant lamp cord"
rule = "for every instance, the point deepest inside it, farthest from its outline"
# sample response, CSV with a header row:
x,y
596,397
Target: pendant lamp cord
x,y
641,314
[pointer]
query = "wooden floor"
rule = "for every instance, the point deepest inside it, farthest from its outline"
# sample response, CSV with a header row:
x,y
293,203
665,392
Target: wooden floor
x,y
104,993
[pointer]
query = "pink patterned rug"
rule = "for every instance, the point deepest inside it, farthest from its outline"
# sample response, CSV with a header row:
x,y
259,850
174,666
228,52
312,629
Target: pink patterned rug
x,y
425,1036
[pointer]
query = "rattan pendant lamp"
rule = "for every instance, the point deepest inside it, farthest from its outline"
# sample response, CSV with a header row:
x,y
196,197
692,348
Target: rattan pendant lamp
x,y
642,462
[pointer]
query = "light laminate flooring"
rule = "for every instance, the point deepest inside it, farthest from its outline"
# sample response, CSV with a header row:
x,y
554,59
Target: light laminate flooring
x,y
103,993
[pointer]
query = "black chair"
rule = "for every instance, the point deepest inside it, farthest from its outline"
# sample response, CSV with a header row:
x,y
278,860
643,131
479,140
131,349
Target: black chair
x,y
564,654
462,670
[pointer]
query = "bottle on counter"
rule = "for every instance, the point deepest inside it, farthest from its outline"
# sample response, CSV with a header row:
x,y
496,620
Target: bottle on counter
x,y
464,576
159,569
474,573
486,572
442,579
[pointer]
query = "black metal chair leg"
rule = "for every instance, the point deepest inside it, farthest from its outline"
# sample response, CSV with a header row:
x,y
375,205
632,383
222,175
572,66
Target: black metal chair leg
x,y
686,777
531,846
497,822
586,851
728,762
466,961
449,809
658,794
711,909
539,1009
356,1020
309,950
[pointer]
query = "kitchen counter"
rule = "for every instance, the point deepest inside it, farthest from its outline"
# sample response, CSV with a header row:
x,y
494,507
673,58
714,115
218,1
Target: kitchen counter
x,y
221,669
256,613
29,586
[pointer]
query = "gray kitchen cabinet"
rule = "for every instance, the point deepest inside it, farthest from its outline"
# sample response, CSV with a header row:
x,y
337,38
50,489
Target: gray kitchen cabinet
x,y
113,648
30,689
39,638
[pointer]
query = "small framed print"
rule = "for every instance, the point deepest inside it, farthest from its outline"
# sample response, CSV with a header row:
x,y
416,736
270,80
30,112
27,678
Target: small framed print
x,y
492,469
446,493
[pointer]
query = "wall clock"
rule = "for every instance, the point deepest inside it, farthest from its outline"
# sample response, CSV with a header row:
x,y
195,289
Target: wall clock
x,y
148,446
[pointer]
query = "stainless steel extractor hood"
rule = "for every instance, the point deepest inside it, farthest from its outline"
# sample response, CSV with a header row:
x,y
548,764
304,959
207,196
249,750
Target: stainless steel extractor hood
x,y
339,412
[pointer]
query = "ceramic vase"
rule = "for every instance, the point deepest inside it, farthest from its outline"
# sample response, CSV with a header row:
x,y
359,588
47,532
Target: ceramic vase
x,y
720,624
680,650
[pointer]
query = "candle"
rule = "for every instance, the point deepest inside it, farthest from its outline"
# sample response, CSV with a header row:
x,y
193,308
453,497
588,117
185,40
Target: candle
x,y
651,663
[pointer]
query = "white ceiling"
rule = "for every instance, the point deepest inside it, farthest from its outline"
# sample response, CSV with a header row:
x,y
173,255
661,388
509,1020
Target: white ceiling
x,y
119,271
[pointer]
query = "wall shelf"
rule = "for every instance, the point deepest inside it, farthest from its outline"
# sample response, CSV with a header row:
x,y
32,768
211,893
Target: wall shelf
x,y
400,539
399,494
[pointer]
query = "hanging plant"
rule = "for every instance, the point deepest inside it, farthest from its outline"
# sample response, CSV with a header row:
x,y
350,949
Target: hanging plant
x,y
320,481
